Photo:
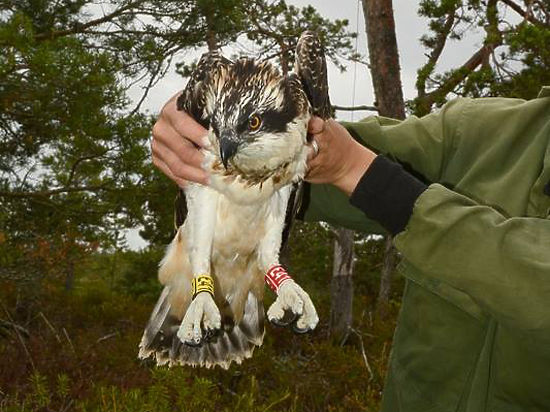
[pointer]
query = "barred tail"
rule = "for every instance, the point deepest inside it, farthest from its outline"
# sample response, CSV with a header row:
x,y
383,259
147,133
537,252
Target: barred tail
x,y
234,344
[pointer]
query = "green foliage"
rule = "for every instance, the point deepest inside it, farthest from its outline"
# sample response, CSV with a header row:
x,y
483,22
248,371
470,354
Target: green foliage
x,y
276,27
75,167
529,45
513,60
71,154
84,345
138,273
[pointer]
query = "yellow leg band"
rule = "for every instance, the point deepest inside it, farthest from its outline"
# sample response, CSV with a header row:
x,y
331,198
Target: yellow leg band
x,y
202,283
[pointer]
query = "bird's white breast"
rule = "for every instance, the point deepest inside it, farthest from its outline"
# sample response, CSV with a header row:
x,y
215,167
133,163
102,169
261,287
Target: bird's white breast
x,y
239,227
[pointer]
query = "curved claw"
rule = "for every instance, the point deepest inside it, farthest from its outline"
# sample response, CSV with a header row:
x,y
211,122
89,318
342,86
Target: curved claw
x,y
300,331
293,307
193,344
288,318
212,335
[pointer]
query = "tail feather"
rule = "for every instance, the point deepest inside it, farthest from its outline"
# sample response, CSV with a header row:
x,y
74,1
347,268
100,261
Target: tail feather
x,y
160,340
161,326
252,324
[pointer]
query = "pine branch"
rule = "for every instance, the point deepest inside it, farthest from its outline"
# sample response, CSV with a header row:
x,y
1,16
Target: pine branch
x,y
81,27
434,56
458,76
80,160
353,108
523,13
48,193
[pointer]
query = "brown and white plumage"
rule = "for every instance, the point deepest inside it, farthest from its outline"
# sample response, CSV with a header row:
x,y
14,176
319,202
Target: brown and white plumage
x,y
234,228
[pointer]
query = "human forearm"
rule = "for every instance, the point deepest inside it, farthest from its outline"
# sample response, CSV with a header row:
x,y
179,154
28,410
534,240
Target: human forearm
x,y
499,261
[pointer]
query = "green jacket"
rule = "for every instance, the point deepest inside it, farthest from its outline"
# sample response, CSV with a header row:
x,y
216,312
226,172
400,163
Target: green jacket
x,y
474,329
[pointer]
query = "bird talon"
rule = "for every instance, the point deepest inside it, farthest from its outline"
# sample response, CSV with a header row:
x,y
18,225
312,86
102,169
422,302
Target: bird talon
x,y
211,335
200,320
193,343
288,318
299,331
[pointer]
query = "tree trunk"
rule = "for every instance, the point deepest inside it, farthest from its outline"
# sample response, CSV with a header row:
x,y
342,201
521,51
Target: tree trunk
x,y
384,58
211,40
386,80
341,311
383,300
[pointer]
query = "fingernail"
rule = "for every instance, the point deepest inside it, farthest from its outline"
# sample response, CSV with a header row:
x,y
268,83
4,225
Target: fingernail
x,y
206,142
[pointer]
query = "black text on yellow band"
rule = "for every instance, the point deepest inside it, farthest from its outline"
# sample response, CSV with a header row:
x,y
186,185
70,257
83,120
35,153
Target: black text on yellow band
x,y
202,283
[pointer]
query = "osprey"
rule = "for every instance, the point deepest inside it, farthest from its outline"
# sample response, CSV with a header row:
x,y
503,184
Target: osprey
x,y
230,233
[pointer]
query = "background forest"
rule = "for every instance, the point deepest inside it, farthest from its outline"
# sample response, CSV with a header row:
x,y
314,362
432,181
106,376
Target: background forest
x,y
76,173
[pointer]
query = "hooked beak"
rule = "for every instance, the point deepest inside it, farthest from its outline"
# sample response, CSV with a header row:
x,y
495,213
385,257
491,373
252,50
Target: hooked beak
x,y
228,146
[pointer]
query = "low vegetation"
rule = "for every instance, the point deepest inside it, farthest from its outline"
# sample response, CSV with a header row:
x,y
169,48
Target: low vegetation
x,y
78,350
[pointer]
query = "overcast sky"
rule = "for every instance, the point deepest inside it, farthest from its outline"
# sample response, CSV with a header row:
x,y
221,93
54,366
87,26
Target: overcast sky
x,y
409,27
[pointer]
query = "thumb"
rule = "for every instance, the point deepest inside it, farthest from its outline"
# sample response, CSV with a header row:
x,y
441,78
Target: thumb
x,y
316,125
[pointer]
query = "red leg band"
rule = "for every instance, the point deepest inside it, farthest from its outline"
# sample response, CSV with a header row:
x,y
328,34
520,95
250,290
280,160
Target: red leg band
x,y
275,277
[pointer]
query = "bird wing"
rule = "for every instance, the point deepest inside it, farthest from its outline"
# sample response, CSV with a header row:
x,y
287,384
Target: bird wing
x,y
180,209
311,67
193,102
311,70
193,98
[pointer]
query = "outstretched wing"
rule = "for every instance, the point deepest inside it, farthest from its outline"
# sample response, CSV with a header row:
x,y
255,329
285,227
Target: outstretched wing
x,y
311,69
193,101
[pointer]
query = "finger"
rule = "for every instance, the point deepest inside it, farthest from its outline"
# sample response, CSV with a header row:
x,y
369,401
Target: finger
x,y
185,331
177,168
292,301
315,161
164,169
197,332
164,133
315,170
316,125
186,126
311,153
212,317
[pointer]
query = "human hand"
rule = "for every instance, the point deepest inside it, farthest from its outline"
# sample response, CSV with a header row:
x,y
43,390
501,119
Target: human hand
x,y
176,144
340,161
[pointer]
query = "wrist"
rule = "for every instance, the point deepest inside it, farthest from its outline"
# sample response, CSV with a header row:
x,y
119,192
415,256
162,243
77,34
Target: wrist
x,y
387,194
359,161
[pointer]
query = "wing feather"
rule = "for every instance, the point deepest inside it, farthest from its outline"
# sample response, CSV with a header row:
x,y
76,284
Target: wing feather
x,y
311,67
193,98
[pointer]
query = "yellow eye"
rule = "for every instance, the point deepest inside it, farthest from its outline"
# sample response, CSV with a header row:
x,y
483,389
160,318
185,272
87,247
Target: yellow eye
x,y
254,122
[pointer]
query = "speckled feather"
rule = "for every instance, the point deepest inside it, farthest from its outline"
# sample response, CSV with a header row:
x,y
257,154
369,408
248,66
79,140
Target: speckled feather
x,y
311,68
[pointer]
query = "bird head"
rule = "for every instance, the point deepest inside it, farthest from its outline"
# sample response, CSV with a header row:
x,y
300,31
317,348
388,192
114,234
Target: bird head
x,y
258,118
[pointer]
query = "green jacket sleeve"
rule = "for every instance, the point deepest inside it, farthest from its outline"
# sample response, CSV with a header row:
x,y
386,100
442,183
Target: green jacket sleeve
x,y
416,142
502,263
483,229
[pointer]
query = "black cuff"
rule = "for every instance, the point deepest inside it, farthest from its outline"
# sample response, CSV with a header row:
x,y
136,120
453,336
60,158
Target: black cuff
x,y
387,193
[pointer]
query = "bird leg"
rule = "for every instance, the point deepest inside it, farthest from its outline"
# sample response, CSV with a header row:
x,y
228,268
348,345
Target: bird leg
x,y
202,318
293,305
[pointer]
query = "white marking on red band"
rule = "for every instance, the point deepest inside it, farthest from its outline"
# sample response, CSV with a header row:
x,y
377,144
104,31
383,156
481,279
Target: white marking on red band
x,y
275,277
